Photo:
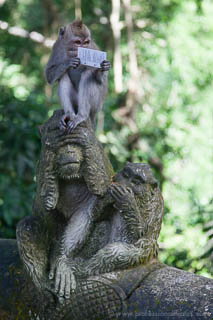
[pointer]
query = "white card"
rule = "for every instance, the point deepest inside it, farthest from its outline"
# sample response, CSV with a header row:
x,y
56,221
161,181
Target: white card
x,y
90,57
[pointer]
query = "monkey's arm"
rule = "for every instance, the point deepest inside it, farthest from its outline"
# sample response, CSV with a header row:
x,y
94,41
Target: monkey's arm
x,y
101,74
47,193
116,256
59,62
126,203
55,71
49,182
98,171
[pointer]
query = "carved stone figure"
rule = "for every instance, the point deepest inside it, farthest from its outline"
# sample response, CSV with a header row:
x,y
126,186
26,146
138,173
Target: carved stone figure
x,y
133,205
90,246
73,173
83,224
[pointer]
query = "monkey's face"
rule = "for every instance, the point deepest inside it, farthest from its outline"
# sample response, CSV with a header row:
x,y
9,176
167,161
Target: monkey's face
x,y
68,162
75,37
80,42
138,177
77,42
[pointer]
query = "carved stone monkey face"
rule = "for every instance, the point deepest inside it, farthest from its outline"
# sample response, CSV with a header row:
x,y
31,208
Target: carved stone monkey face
x,y
137,176
68,163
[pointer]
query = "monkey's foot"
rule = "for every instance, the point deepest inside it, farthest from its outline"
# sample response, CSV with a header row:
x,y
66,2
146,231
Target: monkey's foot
x,y
72,124
64,121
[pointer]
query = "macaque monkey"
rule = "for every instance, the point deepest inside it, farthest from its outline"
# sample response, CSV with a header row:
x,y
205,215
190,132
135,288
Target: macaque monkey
x,y
81,89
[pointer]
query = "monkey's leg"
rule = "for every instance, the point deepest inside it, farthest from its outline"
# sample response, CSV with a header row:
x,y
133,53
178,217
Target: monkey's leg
x,y
67,94
88,98
32,244
75,235
114,256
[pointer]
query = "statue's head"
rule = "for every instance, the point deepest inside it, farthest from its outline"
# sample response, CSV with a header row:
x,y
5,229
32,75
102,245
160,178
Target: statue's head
x,y
69,162
64,156
136,176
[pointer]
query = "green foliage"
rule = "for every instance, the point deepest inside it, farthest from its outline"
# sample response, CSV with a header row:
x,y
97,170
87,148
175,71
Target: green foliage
x,y
173,118
19,149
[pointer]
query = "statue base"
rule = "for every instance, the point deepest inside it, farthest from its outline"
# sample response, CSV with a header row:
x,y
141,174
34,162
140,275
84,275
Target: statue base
x,y
152,291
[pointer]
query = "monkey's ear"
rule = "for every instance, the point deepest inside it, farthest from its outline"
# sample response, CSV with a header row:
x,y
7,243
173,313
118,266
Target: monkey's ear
x,y
61,31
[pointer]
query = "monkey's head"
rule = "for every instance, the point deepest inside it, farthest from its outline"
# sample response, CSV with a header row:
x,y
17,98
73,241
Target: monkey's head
x,y
138,177
75,35
68,162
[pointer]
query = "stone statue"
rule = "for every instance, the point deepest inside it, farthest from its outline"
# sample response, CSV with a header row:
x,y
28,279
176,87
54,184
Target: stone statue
x,y
86,221
73,173
133,206
89,250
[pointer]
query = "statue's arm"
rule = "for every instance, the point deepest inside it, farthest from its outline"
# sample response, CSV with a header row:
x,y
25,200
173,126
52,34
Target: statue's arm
x,y
125,203
47,192
97,169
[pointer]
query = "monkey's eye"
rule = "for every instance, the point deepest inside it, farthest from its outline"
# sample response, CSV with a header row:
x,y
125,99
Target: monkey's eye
x,y
86,42
77,42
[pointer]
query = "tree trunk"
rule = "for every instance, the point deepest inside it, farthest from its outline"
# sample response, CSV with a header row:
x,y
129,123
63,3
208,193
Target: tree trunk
x,y
125,115
117,59
78,12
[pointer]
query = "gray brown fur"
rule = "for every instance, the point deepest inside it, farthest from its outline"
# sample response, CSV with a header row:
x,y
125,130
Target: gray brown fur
x,y
81,89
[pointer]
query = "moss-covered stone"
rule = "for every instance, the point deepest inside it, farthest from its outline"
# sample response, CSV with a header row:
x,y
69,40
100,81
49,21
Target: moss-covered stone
x,y
153,291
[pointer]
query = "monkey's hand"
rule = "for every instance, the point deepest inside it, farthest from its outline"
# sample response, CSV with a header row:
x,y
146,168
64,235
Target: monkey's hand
x,y
74,63
105,65
123,197
64,277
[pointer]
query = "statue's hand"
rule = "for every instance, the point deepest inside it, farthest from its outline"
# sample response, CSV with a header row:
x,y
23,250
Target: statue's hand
x,y
64,277
83,134
74,129
50,196
123,196
50,202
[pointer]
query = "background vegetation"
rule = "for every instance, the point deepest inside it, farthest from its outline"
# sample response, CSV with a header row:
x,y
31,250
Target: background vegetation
x,y
158,109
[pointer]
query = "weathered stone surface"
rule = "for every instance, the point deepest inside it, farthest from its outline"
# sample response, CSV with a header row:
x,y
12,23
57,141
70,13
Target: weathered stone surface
x,y
171,293
86,220
152,291
14,294
90,246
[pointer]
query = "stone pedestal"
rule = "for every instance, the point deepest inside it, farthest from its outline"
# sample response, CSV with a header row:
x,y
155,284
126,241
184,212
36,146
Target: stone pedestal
x,y
153,291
